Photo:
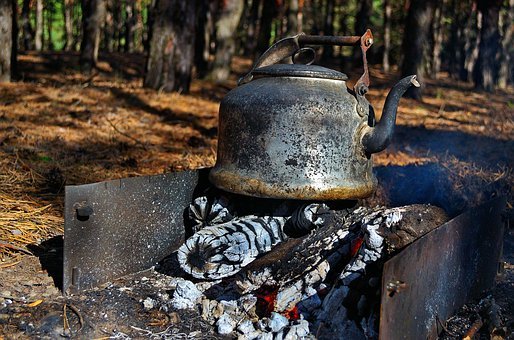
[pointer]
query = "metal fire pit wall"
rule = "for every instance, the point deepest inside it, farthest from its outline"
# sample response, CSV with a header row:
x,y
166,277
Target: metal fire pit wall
x,y
123,226
432,278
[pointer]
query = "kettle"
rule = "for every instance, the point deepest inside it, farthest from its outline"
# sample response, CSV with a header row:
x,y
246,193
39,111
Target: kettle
x,y
296,131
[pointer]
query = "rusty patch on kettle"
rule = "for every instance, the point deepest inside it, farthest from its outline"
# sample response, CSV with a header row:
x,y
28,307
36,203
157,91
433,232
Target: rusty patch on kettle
x,y
254,187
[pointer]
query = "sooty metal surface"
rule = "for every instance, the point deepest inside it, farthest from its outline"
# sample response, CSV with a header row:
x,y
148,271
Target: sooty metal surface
x,y
437,274
123,226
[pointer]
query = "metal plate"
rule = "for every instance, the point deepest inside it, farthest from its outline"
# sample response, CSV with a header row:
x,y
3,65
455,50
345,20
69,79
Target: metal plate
x,y
123,226
436,275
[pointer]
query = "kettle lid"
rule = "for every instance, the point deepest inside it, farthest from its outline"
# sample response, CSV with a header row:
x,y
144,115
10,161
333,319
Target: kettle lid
x,y
299,70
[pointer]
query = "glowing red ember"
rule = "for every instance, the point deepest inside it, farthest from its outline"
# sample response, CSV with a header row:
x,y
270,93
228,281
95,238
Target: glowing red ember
x,y
292,314
356,245
266,297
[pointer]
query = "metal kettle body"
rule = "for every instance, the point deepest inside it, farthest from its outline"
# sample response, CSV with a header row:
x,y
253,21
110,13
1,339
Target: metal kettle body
x,y
296,131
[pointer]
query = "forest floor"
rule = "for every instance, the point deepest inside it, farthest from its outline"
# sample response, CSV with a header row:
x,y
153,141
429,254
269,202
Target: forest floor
x,y
59,127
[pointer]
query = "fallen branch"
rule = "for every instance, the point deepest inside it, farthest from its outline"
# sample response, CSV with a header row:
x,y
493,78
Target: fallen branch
x,y
14,247
126,134
75,310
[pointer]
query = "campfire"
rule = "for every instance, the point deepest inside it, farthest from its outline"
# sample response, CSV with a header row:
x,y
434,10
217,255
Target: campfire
x,y
295,270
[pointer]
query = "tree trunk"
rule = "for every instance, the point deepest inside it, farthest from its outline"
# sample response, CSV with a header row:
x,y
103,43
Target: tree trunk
x,y
415,42
93,20
328,50
150,9
300,15
472,40
506,70
485,73
6,39
316,16
205,29
387,35
49,44
137,40
362,18
117,26
170,60
68,25
437,38
14,47
253,28
269,12
38,39
457,32
292,18
77,23
226,24
130,25
109,30
361,24
28,32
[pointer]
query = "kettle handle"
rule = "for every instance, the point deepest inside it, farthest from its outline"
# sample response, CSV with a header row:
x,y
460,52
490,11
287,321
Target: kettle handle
x,y
287,47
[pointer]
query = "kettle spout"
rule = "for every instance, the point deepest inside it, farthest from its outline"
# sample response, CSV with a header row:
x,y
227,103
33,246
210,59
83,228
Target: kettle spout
x,y
376,139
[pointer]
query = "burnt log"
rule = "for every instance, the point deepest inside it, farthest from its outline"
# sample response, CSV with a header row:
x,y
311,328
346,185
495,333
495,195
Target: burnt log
x,y
298,266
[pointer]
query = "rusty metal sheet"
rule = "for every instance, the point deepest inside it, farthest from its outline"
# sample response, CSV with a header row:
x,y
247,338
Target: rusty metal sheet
x,y
433,277
123,226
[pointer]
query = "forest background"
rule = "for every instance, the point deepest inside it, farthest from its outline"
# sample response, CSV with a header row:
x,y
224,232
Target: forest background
x,y
471,40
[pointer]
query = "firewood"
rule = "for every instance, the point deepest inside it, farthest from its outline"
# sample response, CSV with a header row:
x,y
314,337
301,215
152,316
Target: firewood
x,y
222,244
301,264
222,250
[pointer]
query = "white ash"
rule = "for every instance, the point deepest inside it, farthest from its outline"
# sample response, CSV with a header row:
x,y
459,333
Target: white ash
x,y
247,331
263,324
148,303
186,295
277,322
226,324
230,306
299,330
265,336
289,296
308,217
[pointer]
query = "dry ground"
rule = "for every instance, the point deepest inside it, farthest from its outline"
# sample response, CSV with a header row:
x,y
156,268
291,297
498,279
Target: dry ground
x,y
58,127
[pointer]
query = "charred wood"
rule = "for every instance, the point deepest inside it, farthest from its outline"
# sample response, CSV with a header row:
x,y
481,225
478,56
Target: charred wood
x,y
352,305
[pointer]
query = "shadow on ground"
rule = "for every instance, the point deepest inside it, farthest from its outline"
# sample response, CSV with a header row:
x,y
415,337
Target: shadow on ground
x,y
50,255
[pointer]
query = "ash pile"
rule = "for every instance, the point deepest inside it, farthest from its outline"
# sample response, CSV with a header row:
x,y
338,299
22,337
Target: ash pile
x,y
269,269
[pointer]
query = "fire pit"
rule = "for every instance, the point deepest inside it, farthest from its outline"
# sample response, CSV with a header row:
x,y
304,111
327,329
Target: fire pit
x,y
278,246
316,269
